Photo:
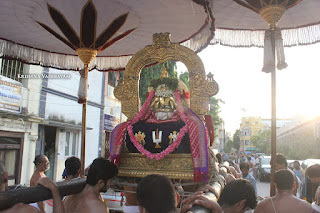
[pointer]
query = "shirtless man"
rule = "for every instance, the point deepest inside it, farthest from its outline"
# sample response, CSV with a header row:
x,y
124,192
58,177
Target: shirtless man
x,y
99,179
283,201
24,208
281,163
42,165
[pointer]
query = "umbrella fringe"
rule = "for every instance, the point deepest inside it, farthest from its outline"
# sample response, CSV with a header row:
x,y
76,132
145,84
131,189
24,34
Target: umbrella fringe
x,y
255,38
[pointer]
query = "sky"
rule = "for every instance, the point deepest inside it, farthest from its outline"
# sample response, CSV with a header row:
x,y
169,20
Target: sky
x,y
243,85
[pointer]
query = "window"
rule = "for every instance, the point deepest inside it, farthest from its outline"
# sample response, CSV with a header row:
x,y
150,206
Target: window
x,y
112,78
71,144
10,155
67,145
11,69
122,75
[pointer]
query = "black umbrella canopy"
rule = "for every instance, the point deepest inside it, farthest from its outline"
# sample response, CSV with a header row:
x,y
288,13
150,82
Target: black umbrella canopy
x,y
48,32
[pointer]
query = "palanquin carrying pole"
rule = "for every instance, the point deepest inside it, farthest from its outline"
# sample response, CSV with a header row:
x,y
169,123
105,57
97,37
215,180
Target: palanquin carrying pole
x,y
38,193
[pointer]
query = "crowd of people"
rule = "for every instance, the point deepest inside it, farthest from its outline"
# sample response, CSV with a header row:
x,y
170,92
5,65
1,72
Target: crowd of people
x,y
157,194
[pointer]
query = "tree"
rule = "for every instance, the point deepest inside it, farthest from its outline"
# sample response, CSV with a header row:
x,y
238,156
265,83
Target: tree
x,y
184,77
262,141
236,139
228,146
149,73
214,111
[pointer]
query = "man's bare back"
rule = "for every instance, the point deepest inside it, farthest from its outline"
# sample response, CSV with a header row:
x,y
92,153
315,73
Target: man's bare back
x,y
284,203
85,202
21,208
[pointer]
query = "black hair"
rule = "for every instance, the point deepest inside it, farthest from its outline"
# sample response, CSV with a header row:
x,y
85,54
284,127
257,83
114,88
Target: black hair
x,y
296,161
72,164
244,165
101,169
284,179
281,159
219,158
38,159
156,194
313,171
237,190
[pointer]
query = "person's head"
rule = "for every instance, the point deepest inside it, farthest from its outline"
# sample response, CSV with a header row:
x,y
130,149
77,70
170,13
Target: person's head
x,y
249,158
3,177
281,162
313,173
219,158
73,166
42,163
100,174
283,180
239,195
296,165
244,167
156,194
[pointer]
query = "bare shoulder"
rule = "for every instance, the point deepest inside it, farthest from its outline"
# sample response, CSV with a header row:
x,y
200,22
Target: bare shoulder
x,y
305,205
21,208
34,179
262,206
97,206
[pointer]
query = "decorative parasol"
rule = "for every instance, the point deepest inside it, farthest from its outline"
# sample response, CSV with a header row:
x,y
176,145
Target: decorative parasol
x,y
286,23
103,33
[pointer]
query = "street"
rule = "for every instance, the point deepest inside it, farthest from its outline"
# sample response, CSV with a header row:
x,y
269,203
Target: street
x,y
263,188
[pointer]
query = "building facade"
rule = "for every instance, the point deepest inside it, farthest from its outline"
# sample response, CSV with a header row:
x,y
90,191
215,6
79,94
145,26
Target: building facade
x,y
249,127
19,118
40,114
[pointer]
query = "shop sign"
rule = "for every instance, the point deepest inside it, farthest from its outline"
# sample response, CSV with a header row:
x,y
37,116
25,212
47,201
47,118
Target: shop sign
x,y
10,95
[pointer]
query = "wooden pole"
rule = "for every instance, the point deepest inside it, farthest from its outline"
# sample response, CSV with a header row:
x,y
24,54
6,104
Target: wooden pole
x,y
273,115
84,127
39,193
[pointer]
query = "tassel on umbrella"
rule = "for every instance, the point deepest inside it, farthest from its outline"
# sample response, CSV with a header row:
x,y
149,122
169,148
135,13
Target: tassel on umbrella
x,y
268,59
83,87
280,50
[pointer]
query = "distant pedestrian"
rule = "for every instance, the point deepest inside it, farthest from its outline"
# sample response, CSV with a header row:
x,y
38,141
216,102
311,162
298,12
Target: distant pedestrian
x,y
297,169
244,167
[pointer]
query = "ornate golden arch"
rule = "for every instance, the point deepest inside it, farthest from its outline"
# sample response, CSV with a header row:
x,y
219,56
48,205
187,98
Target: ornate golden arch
x,y
162,50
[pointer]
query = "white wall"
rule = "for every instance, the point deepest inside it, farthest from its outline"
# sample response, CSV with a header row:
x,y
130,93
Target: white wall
x,y
31,100
70,110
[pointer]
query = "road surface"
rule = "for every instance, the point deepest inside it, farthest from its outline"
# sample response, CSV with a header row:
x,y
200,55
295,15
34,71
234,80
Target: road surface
x,y
263,188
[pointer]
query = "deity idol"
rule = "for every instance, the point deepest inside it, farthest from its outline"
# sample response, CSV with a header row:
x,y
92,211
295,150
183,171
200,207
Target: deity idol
x,y
165,124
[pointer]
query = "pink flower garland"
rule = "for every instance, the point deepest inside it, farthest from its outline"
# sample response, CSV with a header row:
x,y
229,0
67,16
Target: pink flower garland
x,y
171,147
